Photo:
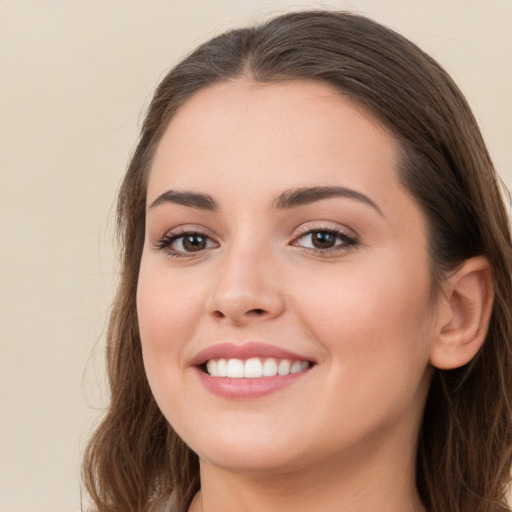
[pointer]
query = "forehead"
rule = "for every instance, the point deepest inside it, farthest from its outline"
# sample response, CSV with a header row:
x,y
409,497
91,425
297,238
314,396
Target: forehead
x,y
248,131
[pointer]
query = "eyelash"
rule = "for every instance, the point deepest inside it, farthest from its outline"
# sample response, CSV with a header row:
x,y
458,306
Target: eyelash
x,y
348,242
166,242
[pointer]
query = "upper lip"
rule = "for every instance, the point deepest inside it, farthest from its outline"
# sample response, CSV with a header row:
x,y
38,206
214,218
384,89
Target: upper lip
x,y
245,351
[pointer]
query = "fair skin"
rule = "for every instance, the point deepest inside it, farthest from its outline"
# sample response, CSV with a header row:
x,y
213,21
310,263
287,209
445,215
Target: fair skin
x,y
338,278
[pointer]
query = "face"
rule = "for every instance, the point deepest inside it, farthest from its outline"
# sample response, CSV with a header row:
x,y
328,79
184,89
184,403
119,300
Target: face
x,y
284,296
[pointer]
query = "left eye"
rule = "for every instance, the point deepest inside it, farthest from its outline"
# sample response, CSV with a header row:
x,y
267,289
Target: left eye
x,y
191,242
324,240
185,243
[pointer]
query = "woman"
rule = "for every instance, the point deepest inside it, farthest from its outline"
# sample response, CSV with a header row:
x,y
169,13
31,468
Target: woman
x,y
314,306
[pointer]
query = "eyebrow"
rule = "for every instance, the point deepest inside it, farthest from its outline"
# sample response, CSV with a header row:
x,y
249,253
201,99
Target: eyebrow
x,y
288,199
304,196
185,198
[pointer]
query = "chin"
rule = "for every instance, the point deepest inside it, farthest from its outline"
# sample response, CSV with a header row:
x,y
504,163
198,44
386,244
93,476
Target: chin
x,y
246,451
250,461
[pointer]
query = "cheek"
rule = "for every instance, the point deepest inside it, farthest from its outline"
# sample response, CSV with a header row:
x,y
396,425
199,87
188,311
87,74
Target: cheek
x,y
166,308
167,315
377,337
373,318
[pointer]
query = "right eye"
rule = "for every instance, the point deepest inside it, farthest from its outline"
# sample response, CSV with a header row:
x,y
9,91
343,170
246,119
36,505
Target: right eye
x,y
185,243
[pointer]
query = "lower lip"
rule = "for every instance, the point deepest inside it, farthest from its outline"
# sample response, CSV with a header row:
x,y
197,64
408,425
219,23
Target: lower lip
x,y
248,388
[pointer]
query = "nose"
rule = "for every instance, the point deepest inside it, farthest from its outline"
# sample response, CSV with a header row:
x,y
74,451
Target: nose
x,y
247,288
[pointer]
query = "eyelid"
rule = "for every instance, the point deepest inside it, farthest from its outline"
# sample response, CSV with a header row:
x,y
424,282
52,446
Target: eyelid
x,y
308,227
183,229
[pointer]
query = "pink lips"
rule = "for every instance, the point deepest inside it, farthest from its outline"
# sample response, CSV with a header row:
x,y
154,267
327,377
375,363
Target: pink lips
x,y
245,388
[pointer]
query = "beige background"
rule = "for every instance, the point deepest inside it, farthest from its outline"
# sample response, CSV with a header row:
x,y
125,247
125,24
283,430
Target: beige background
x,y
74,77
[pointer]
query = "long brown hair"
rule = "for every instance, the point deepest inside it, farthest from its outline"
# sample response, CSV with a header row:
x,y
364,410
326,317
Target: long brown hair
x,y
135,460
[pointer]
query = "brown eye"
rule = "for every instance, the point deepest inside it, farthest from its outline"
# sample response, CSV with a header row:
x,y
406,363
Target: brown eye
x,y
323,239
185,243
193,242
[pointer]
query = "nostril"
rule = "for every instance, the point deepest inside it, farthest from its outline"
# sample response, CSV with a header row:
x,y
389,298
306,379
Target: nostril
x,y
237,315
257,311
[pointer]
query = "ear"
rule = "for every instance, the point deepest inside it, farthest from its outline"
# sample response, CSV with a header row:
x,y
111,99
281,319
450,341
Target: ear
x,y
464,314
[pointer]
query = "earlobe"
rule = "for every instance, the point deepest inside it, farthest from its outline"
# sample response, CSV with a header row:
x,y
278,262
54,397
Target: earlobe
x,y
464,316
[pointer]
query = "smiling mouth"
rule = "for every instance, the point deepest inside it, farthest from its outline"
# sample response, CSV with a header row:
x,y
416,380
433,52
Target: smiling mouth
x,y
253,368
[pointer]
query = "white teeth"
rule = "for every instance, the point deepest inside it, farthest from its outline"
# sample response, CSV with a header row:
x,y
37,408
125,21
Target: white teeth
x,y
212,367
254,367
284,367
296,367
222,368
235,369
269,368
